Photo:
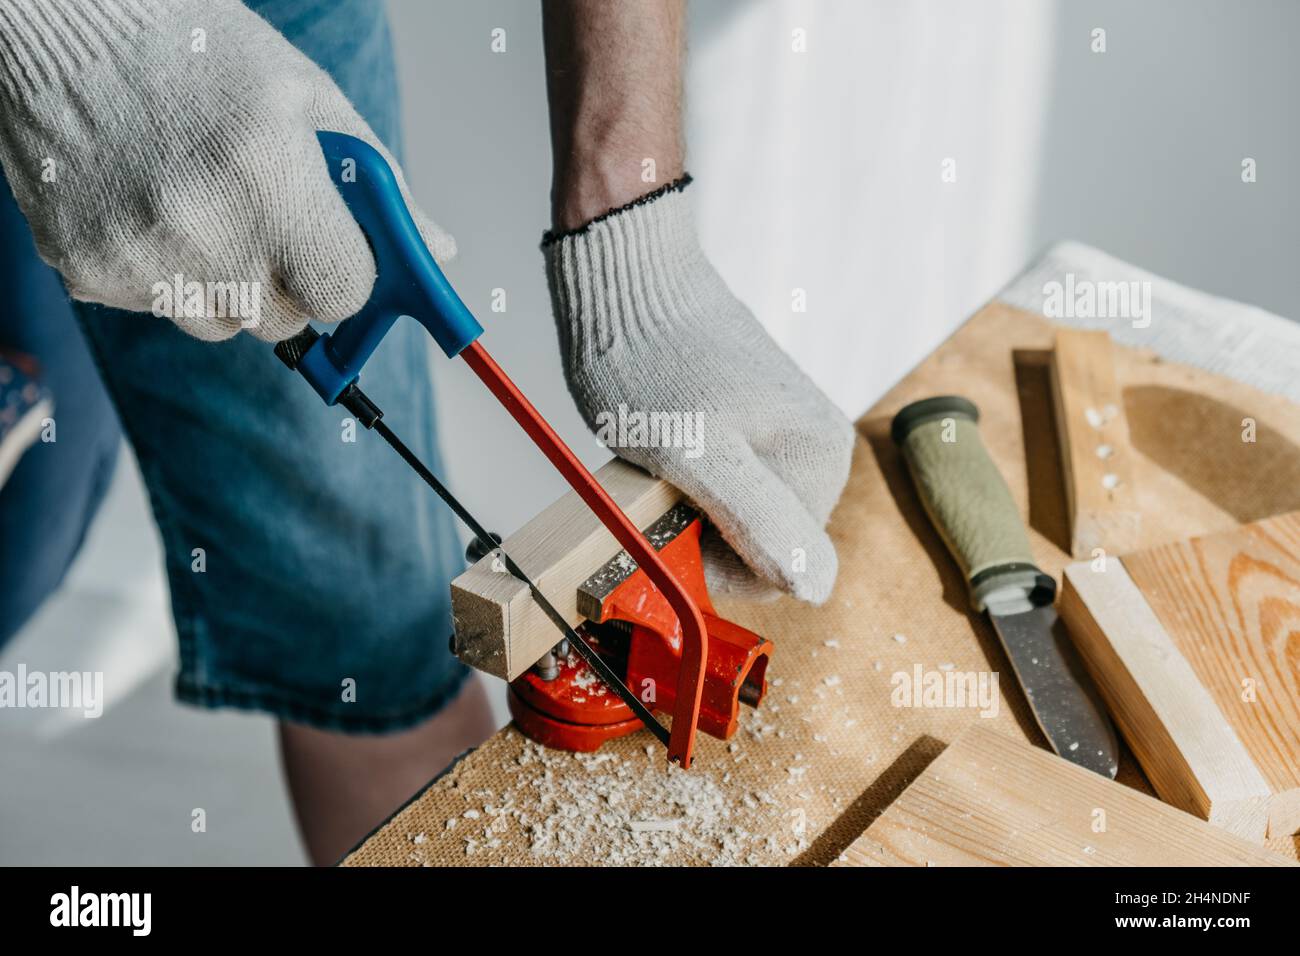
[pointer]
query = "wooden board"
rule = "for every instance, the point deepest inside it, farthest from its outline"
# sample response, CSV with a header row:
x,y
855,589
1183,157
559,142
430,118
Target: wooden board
x,y
1092,429
1225,611
1192,757
499,628
988,800
828,749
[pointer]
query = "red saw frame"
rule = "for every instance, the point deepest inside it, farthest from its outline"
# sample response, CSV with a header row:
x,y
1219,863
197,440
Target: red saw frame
x,y
695,639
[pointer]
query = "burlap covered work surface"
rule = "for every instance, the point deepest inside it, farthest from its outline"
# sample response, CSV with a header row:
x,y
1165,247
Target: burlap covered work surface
x,y
828,750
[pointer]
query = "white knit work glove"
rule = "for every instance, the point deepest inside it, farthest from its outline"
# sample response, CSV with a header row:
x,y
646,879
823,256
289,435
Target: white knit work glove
x,y
146,139
650,333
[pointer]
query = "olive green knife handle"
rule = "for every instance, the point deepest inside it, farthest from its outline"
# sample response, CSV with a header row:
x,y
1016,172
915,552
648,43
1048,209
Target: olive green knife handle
x,y
967,499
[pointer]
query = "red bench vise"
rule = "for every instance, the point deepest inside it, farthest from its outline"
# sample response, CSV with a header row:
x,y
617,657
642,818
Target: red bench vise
x,y
561,703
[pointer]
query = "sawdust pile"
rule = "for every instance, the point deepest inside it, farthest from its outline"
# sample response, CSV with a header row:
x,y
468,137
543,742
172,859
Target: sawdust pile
x,y
758,799
622,810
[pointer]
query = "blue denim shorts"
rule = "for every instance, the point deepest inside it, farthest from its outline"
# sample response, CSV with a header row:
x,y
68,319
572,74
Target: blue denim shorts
x,y
308,574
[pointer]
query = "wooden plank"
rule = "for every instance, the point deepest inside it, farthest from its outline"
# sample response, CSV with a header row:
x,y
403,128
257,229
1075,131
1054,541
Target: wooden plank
x,y
989,800
1094,439
1192,757
1231,604
499,628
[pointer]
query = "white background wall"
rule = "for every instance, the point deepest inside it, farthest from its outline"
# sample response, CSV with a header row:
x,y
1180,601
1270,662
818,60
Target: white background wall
x,y
807,177
1143,146
814,175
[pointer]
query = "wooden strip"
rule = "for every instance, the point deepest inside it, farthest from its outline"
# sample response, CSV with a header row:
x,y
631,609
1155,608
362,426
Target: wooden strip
x,y
499,628
988,800
1191,755
1095,454
1231,604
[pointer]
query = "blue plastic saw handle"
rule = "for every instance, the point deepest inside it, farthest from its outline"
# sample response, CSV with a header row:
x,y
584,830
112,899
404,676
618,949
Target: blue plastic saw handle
x,y
408,280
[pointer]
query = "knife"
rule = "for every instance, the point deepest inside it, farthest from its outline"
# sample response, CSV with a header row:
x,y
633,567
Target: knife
x,y
971,506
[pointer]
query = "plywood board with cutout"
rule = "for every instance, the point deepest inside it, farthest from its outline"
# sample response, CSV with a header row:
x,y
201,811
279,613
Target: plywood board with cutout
x,y
828,750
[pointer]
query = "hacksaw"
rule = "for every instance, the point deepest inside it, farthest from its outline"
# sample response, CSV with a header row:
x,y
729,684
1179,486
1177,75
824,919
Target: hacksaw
x,y
674,642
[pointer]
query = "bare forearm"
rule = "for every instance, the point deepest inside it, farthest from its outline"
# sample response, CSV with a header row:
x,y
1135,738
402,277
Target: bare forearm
x,y
614,83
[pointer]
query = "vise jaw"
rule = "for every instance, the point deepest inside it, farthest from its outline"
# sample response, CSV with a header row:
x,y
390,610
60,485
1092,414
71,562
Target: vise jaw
x,y
560,702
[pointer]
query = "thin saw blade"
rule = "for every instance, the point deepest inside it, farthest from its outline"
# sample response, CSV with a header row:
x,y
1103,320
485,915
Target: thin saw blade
x,y
587,652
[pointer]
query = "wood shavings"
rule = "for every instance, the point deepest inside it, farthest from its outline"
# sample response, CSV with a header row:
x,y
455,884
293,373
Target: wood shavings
x,y
587,680
653,826
621,811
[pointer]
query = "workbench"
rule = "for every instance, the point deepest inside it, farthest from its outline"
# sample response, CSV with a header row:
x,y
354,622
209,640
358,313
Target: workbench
x,y
828,750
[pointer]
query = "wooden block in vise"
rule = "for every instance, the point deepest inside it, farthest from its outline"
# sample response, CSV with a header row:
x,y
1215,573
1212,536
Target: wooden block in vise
x,y
988,800
1100,498
500,629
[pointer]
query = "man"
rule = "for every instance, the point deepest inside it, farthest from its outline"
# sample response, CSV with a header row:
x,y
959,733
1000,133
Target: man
x,y
156,143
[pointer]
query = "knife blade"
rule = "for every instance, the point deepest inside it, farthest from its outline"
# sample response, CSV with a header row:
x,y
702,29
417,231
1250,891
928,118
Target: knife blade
x,y
971,507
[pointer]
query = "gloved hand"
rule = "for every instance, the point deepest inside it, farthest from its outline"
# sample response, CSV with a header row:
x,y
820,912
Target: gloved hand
x,y
650,333
146,139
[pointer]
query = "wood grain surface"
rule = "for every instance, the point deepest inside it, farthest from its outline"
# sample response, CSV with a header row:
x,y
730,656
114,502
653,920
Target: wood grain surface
x,y
1191,755
988,800
1231,604
1096,460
